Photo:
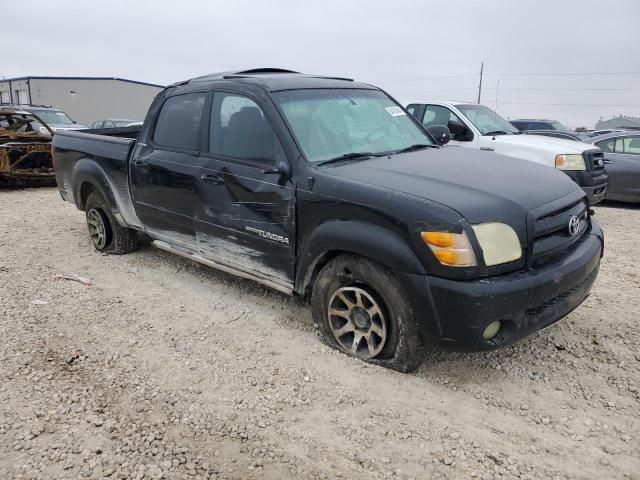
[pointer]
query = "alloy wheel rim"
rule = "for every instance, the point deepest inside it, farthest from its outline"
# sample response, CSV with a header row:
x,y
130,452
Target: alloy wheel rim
x,y
97,228
357,322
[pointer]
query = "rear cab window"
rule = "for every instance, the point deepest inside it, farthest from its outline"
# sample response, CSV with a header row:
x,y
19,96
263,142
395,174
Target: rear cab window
x,y
178,123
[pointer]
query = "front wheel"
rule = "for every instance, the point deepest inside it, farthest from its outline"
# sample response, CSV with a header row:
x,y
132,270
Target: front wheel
x,y
363,310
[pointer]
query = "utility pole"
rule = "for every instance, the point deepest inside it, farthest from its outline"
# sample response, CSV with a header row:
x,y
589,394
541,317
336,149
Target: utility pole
x,y
480,85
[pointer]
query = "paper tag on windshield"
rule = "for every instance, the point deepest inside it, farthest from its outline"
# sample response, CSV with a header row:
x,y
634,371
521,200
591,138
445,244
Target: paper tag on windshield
x,y
395,111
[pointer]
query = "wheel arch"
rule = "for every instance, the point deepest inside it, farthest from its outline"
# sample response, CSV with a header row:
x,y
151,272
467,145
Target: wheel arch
x,y
371,241
88,177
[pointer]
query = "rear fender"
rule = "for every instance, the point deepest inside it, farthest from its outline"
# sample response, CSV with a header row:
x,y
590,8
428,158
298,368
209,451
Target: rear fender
x,y
87,172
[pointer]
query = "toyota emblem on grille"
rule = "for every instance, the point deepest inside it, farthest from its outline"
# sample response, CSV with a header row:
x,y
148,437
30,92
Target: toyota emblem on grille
x,y
574,225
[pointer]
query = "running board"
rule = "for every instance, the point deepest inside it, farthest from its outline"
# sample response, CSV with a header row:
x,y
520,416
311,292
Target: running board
x,y
219,266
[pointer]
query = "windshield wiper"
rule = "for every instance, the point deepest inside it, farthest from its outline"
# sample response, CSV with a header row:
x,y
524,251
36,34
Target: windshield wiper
x,y
417,146
497,132
346,156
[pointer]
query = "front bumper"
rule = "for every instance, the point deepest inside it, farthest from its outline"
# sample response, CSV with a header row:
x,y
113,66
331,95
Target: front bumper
x,y
594,186
457,312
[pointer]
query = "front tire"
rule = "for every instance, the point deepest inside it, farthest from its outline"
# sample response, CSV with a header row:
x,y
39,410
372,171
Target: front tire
x,y
105,232
363,310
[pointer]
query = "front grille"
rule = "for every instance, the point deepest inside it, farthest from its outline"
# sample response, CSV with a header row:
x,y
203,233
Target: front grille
x,y
551,230
594,160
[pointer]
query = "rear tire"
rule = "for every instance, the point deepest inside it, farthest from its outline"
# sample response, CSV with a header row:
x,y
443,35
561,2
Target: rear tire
x,y
371,315
106,234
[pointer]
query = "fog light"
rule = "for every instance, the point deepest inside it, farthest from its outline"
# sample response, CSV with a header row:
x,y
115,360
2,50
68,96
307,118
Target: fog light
x,y
491,330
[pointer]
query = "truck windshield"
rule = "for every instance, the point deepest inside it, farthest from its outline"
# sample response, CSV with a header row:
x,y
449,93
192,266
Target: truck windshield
x,y
332,123
486,120
53,116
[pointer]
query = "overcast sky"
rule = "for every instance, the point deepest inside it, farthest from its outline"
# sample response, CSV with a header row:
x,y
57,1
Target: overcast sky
x,y
406,47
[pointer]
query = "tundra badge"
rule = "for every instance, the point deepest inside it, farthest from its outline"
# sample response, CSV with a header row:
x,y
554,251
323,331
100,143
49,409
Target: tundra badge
x,y
268,235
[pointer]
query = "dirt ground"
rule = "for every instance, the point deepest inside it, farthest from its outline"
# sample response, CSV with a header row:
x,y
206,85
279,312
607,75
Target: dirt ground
x,y
165,369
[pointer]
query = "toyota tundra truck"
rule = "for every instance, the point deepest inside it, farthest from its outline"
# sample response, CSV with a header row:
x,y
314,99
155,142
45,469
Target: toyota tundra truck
x,y
479,127
326,188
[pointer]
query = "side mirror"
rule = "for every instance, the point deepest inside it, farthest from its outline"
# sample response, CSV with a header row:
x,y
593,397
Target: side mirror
x,y
440,134
460,130
281,168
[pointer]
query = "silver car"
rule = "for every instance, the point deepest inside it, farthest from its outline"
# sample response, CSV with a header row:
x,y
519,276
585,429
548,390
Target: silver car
x,y
622,161
114,123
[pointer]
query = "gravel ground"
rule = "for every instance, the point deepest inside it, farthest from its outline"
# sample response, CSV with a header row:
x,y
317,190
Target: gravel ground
x,y
165,369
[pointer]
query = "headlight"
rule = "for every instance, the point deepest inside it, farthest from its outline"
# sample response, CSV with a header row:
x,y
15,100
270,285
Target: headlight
x,y
44,131
570,162
499,243
452,249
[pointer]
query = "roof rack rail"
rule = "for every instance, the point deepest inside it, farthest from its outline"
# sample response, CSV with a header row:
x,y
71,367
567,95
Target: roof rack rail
x,y
256,71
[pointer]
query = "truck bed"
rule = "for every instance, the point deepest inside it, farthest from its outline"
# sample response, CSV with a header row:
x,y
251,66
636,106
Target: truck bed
x,y
101,159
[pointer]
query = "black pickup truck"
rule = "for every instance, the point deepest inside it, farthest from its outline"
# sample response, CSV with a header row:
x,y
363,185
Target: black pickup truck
x,y
326,187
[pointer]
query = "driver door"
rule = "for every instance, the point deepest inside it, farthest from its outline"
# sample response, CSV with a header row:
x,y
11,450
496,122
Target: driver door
x,y
439,115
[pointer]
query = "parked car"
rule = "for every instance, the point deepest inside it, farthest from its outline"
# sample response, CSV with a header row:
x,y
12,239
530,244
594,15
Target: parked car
x,y
54,118
325,187
576,137
523,124
479,127
622,157
25,152
114,123
597,133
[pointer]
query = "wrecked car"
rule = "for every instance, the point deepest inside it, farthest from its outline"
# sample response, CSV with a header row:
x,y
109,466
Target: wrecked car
x,y
25,150
326,188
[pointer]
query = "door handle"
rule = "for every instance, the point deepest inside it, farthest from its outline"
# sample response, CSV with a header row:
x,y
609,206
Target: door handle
x,y
212,178
488,149
140,163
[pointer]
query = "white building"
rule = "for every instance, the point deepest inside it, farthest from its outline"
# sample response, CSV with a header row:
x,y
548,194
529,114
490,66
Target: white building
x,y
85,99
620,121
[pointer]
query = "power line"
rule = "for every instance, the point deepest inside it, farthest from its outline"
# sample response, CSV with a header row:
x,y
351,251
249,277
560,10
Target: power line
x,y
571,74
574,104
532,74
428,78
573,89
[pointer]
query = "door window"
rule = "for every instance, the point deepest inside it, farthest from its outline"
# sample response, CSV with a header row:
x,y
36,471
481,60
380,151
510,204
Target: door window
x,y
239,129
606,145
178,123
631,145
437,115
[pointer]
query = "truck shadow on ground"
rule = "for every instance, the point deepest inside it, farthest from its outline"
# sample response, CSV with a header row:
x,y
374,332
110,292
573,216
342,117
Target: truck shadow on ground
x,y
458,367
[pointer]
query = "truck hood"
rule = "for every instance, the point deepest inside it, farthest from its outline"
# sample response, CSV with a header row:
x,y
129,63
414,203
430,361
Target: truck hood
x,y
552,145
482,186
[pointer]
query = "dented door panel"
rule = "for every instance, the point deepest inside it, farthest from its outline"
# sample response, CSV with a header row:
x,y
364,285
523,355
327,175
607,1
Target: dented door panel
x,y
247,218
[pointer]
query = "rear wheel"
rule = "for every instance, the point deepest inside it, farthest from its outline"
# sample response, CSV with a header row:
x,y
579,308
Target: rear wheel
x,y
105,232
363,310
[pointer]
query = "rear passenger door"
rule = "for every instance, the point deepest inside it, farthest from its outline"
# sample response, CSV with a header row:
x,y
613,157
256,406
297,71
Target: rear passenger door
x,y
165,171
246,214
